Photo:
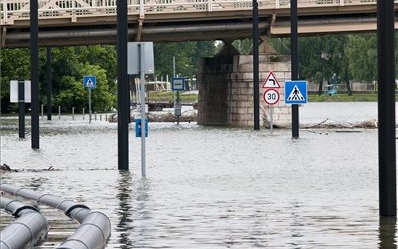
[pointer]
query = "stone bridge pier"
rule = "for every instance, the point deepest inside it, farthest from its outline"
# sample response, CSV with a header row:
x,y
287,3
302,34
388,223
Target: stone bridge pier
x,y
226,89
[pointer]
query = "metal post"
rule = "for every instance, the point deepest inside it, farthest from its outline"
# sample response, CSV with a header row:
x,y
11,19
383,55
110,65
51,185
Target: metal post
x,y
386,108
83,113
59,112
271,110
123,87
89,105
42,110
294,41
73,113
34,72
49,85
142,95
256,90
21,108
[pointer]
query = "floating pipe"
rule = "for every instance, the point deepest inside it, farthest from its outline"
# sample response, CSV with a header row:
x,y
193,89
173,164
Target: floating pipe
x,y
27,230
95,228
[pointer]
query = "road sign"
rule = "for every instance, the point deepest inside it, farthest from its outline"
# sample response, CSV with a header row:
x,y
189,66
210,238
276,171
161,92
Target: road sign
x,y
14,85
90,82
271,96
271,81
296,92
177,84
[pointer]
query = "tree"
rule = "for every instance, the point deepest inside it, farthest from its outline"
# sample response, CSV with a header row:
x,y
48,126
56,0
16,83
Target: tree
x,y
187,57
15,65
361,52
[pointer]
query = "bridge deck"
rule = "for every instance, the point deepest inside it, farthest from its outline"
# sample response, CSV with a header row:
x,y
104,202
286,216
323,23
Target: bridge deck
x,y
64,22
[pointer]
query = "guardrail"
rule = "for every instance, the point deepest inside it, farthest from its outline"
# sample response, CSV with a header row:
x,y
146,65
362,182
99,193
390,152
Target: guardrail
x,y
13,10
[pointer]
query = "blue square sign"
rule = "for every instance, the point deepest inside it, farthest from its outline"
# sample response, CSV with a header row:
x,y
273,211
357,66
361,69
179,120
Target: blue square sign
x,y
90,82
296,92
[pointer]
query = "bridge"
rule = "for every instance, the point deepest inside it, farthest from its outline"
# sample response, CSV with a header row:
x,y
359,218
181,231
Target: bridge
x,y
78,22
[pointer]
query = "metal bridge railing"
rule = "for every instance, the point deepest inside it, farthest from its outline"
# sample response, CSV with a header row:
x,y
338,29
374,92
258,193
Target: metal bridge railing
x,y
12,10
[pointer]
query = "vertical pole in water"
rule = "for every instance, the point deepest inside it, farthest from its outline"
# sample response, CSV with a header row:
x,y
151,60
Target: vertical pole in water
x,y
271,109
294,46
49,86
141,47
73,113
256,90
89,105
34,72
123,87
59,112
21,108
42,110
386,108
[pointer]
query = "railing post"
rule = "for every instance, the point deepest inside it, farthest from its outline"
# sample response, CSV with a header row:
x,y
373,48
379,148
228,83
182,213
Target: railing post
x,y
277,4
73,10
142,10
210,5
5,17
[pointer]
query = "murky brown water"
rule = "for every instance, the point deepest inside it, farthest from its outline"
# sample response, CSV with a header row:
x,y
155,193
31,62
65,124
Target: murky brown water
x,y
215,187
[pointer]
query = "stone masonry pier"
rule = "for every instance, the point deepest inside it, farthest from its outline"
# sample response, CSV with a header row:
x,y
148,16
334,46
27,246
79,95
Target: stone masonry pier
x,y
226,89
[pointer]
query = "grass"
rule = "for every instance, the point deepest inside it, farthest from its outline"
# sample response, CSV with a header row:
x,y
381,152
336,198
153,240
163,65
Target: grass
x,y
170,96
312,97
355,97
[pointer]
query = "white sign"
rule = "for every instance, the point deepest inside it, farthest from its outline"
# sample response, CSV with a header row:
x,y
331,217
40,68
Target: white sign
x,y
177,84
133,58
14,91
271,81
271,96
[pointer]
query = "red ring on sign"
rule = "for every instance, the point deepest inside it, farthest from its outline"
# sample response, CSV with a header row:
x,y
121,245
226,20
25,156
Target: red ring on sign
x,y
273,101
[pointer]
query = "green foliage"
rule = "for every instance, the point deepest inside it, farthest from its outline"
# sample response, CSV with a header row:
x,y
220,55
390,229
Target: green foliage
x,y
187,57
361,52
70,64
15,65
244,46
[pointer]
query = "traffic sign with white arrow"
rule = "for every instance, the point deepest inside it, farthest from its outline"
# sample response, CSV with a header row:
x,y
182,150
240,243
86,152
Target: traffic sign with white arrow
x,y
271,81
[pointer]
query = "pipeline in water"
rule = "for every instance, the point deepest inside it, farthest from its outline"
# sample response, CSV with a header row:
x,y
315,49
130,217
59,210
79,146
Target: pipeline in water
x,y
94,229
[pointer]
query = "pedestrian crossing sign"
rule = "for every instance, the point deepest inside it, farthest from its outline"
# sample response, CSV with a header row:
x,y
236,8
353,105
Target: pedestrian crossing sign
x,y
296,92
90,82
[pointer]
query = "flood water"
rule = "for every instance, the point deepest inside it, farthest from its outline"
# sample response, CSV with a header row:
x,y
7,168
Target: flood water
x,y
212,187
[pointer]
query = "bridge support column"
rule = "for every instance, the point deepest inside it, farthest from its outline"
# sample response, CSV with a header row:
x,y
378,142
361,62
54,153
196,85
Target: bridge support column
x,y
226,89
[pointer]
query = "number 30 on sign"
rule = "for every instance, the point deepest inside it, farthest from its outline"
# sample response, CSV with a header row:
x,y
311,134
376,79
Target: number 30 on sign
x,y
271,96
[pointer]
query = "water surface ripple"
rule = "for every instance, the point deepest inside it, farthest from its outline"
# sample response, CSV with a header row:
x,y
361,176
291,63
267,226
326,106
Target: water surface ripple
x,y
213,187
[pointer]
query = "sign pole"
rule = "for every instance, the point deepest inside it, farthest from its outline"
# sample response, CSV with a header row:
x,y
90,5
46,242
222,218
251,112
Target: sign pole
x,y
294,41
21,108
89,105
142,95
271,118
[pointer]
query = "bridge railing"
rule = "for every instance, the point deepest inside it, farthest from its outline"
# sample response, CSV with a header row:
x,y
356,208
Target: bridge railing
x,y
13,10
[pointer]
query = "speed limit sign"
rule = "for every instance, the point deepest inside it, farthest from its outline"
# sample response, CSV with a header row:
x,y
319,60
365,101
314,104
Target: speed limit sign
x,y
271,96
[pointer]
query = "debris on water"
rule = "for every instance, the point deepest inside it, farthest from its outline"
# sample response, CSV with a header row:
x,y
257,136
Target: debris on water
x,y
330,123
6,168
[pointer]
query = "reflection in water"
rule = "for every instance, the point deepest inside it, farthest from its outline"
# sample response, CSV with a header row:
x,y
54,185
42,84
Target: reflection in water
x,y
387,231
124,210
134,214
143,222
